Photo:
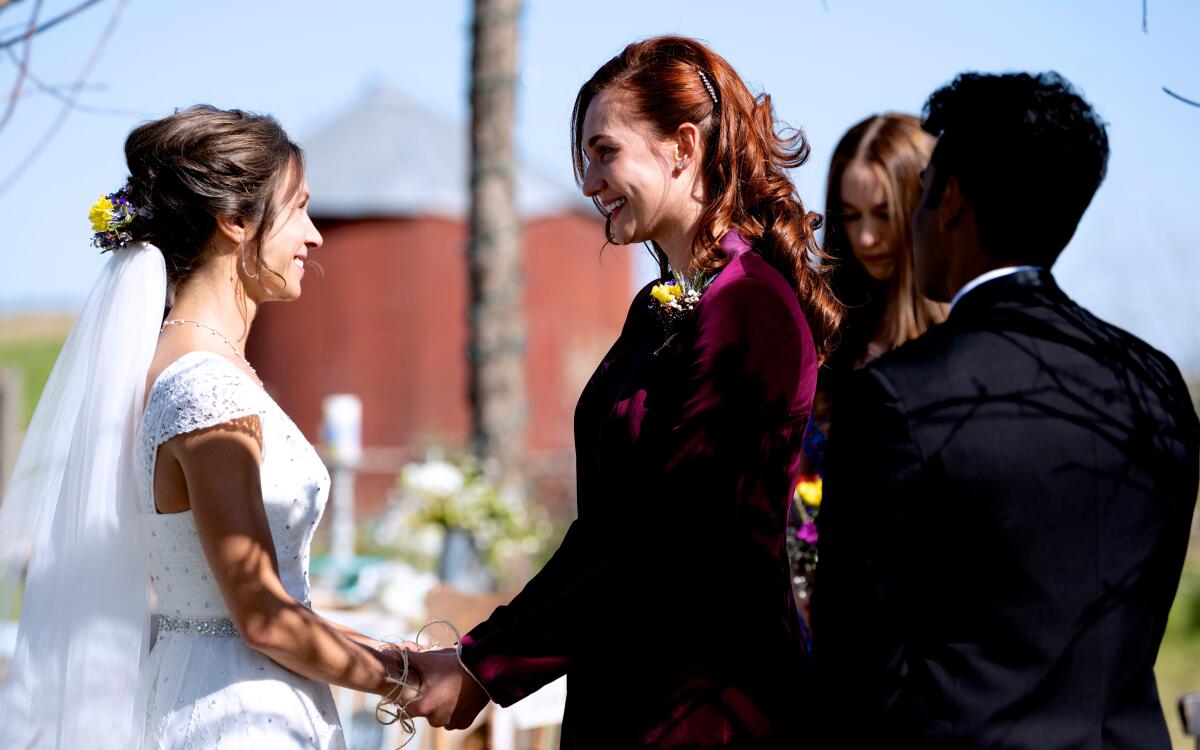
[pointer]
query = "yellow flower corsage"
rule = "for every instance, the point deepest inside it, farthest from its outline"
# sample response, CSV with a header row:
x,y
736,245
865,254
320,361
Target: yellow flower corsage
x,y
673,300
666,293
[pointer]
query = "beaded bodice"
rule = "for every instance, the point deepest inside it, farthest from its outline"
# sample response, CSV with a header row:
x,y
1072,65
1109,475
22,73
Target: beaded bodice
x,y
201,390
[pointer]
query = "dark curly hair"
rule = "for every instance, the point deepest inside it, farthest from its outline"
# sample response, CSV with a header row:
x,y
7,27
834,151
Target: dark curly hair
x,y
200,163
1028,152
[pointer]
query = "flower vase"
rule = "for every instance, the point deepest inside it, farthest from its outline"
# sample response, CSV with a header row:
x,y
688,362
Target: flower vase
x,y
461,565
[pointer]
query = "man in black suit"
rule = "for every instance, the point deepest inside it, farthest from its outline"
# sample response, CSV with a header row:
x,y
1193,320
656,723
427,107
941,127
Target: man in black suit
x,y
1008,498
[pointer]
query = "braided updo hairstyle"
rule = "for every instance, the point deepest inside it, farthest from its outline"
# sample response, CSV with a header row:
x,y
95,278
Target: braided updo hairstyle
x,y
200,163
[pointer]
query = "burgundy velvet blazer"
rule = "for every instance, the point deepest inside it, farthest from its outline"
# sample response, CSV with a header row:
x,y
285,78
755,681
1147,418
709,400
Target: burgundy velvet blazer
x,y
668,605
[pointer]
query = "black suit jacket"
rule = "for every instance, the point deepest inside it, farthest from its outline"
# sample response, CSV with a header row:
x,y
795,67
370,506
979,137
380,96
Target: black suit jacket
x,y
1008,501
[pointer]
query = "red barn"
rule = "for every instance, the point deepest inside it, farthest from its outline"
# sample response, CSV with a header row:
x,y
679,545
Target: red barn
x,y
387,322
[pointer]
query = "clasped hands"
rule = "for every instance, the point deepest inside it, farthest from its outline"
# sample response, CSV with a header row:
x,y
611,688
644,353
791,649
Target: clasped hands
x,y
437,687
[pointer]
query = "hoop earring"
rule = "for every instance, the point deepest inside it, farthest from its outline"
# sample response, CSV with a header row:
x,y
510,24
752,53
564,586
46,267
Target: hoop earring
x,y
244,269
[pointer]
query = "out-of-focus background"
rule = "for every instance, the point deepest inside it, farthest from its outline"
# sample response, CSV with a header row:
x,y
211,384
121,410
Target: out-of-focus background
x,y
375,362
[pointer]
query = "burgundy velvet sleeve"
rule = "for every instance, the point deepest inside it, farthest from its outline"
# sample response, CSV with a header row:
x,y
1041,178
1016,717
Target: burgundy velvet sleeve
x,y
739,374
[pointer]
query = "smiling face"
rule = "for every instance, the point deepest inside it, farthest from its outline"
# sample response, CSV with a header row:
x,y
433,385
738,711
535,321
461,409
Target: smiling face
x,y
866,219
632,172
285,246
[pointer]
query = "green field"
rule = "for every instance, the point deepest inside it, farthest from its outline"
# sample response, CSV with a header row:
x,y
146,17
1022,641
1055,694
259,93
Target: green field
x,y
29,346
33,360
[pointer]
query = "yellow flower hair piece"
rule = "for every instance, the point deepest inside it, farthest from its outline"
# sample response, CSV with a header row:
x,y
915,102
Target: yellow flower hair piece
x,y
111,216
101,214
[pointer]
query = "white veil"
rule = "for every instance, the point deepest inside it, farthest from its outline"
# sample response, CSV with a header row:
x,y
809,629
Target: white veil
x,y
71,512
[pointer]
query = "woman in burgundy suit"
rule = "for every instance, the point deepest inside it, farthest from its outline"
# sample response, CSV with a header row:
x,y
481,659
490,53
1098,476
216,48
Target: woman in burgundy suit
x,y
669,605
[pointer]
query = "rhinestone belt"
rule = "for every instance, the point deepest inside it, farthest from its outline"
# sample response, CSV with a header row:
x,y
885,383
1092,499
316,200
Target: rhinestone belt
x,y
222,627
214,626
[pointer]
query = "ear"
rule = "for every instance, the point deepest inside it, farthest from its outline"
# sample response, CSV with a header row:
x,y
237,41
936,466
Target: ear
x,y
687,143
233,229
953,205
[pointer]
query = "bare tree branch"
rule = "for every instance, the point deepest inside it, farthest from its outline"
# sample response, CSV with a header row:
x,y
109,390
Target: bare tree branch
x,y
67,107
49,24
1167,91
22,67
1185,100
56,90
59,92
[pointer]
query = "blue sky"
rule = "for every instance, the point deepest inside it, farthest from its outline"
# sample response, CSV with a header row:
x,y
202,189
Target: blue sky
x,y
827,64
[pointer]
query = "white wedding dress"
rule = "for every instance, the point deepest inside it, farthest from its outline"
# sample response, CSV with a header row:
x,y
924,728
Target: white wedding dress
x,y
207,689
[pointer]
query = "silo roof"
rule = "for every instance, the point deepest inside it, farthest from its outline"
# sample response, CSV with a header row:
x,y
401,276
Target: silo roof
x,y
387,155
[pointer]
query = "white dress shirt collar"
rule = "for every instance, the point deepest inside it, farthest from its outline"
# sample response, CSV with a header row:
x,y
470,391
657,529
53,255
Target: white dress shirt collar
x,y
983,278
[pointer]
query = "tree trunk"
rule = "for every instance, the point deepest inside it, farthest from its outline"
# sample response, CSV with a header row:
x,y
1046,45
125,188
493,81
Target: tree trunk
x,y
496,339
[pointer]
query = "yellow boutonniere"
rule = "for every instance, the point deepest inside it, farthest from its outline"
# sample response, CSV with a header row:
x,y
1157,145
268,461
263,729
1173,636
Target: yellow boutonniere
x,y
666,293
673,301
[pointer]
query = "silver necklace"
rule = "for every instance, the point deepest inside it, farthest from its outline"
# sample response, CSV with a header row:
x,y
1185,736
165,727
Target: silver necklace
x,y
215,332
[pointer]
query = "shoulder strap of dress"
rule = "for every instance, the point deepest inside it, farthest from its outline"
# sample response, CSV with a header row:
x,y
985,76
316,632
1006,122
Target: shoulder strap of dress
x,y
197,391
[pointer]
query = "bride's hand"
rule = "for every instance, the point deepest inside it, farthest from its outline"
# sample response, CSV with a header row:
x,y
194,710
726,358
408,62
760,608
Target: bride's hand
x,y
403,682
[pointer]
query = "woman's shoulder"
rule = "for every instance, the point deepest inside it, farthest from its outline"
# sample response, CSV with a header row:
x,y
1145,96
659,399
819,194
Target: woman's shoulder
x,y
642,298
639,308
749,283
198,389
750,303
194,369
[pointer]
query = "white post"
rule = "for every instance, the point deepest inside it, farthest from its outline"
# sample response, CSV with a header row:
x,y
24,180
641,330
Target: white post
x,y
342,549
341,434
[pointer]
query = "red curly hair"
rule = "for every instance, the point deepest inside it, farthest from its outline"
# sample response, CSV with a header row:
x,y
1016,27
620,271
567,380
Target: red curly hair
x,y
662,81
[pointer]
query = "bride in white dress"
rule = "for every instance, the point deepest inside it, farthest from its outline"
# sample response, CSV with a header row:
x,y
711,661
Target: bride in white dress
x,y
209,496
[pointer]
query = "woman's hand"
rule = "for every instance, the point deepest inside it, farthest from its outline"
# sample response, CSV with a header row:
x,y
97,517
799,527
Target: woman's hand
x,y
448,695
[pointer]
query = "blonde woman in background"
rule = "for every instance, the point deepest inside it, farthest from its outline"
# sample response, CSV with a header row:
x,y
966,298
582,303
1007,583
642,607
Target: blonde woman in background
x,y
874,186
